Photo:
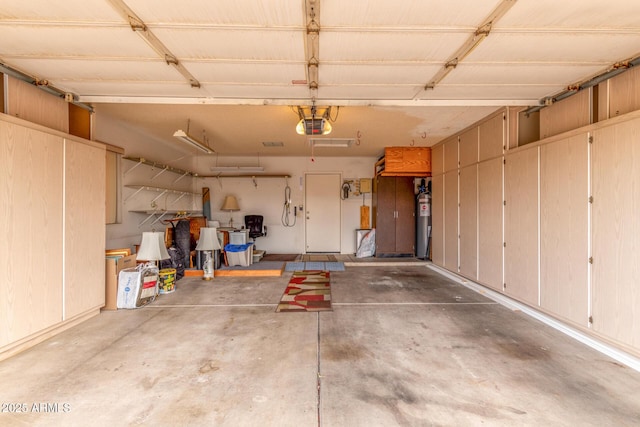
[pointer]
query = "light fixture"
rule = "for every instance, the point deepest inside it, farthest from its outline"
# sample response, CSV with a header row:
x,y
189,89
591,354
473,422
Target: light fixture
x,y
207,243
230,205
152,247
312,122
313,126
185,137
331,142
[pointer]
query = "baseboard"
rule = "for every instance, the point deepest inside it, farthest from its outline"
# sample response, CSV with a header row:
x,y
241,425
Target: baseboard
x,y
34,339
605,348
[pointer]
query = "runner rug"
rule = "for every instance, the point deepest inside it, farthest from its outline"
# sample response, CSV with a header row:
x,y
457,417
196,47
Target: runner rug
x,y
318,258
308,290
314,265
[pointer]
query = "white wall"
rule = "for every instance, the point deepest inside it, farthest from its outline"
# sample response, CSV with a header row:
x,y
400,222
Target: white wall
x,y
265,197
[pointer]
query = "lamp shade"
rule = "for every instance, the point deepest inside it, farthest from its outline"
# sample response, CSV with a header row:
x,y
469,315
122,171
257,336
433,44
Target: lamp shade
x,y
230,204
152,247
208,239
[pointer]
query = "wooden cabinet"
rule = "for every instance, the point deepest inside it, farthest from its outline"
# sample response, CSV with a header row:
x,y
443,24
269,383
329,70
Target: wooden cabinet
x,y
394,216
53,220
405,161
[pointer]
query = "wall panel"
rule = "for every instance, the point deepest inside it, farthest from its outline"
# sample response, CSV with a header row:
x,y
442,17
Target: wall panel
x,y
437,159
469,222
469,147
492,137
564,228
451,220
437,220
451,154
27,102
521,225
570,113
490,235
85,176
30,223
624,92
616,232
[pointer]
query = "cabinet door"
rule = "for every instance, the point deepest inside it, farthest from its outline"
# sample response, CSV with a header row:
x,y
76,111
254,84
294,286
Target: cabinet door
x,y
385,215
31,225
84,227
564,225
490,237
437,220
616,233
405,229
469,222
521,226
451,220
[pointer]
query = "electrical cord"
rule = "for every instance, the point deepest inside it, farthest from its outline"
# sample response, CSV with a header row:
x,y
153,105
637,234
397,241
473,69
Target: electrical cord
x,y
286,209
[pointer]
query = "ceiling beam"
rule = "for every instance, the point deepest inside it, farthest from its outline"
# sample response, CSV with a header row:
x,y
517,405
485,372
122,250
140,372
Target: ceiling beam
x,y
300,102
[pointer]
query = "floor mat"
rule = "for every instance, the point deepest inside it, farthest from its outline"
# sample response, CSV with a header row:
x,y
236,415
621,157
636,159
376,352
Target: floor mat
x,y
279,257
325,266
319,258
307,290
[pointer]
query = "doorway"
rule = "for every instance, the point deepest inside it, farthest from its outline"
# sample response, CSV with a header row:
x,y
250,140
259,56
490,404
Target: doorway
x,y
322,213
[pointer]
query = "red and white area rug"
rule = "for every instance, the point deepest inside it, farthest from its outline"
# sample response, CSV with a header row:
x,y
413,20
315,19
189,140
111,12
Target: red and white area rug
x,y
308,290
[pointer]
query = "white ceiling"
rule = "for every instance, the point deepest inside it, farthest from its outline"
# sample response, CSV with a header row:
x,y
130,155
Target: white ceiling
x,y
375,59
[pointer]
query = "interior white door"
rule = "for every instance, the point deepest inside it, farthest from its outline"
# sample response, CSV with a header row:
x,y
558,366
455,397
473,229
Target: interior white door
x,y
322,213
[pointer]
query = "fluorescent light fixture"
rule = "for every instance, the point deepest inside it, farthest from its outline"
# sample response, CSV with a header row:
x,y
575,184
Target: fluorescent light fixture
x,y
185,137
331,142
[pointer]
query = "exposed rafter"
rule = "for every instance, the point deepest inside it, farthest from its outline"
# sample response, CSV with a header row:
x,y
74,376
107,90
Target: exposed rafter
x,y
472,42
312,48
141,28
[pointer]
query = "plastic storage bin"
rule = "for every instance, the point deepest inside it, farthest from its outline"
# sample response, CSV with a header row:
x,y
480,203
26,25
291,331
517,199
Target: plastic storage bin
x,y
239,237
239,254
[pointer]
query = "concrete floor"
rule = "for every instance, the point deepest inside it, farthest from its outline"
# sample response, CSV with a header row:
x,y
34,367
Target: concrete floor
x,y
402,346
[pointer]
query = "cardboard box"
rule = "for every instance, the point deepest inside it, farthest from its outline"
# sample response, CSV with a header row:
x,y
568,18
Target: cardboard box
x,y
113,267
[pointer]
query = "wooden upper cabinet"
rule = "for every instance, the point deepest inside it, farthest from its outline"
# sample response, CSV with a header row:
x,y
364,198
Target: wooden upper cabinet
x,y
437,157
469,147
405,161
570,113
451,154
492,138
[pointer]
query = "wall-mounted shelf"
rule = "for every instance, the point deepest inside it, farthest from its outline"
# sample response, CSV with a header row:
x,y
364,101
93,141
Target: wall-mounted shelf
x,y
156,214
248,175
162,167
160,214
160,190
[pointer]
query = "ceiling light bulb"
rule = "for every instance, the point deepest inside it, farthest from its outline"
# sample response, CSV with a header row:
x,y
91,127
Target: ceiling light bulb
x,y
300,127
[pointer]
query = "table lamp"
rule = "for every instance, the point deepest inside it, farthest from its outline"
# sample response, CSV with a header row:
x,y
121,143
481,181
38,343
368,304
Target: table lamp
x,y
152,247
230,205
208,242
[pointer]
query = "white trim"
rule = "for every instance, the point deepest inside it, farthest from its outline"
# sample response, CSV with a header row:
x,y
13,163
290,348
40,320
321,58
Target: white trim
x,y
64,227
589,229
